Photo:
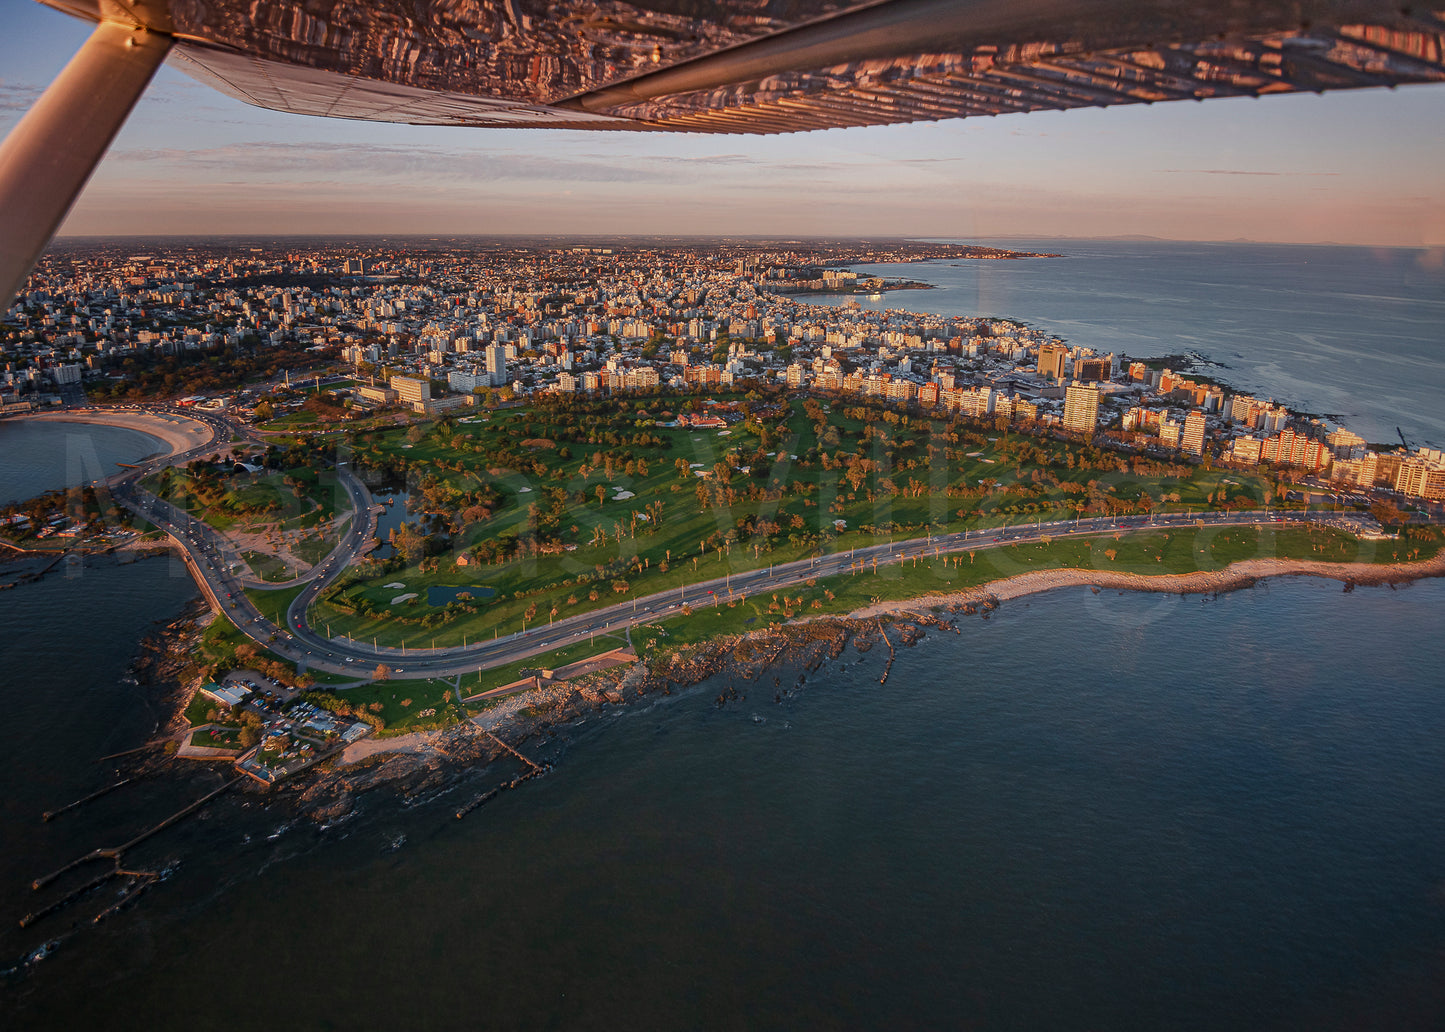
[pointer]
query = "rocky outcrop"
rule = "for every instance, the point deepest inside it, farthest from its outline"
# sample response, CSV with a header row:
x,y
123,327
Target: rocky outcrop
x,y
331,790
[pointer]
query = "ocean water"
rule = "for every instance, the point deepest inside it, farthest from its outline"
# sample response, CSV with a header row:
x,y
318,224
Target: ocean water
x,y
1090,811
43,455
1354,333
1115,811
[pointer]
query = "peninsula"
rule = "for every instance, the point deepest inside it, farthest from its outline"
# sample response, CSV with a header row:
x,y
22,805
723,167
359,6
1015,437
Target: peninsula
x,y
445,487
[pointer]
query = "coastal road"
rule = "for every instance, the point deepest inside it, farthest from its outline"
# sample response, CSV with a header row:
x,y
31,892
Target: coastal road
x,y
225,576
214,562
426,662
302,643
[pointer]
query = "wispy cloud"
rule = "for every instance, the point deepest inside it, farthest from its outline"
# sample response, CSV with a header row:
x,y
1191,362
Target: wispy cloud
x,y
352,161
16,96
1240,172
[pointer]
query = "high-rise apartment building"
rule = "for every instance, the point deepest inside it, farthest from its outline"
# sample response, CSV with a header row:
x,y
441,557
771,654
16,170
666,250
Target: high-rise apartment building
x,y
466,381
1192,439
1051,360
1081,407
497,364
1421,478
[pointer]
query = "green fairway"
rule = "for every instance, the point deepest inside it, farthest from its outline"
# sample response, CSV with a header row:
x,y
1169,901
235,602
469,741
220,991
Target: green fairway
x,y
536,513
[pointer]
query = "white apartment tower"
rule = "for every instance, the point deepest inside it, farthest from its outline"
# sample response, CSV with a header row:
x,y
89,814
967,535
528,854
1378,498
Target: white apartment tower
x,y
1081,407
497,364
1192,439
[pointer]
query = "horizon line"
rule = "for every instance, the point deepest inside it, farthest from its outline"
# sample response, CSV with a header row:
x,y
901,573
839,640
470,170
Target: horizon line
x,y
779,237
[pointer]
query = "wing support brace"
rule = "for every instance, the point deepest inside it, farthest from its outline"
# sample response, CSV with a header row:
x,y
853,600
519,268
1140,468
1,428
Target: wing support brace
x,y
49,155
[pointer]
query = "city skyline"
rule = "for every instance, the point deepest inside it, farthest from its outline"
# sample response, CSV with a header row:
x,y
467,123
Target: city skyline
x,y
1344,167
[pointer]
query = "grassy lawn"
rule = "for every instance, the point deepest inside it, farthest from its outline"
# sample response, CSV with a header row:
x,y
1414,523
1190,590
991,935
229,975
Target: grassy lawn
x,y
268,567
273,604
322,493
224,738
531,498
291,421
1157,552
273,758
485,680
315,547
322,677
407,705
298,498
1414,543
198,708
220,641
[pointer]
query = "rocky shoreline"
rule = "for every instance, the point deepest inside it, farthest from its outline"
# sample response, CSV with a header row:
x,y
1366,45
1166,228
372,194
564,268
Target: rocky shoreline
x,y
422,763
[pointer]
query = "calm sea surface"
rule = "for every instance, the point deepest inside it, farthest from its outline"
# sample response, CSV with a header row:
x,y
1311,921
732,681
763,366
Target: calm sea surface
x,y
42,455
1091,811
1356,333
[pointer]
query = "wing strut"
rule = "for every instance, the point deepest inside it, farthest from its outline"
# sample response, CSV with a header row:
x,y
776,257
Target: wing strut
x,y
49,155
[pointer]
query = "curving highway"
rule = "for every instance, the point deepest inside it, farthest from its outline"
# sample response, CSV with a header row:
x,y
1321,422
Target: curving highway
x,y
219,570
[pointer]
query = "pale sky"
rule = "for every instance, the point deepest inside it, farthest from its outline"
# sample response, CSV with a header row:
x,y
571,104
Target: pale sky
x,y
1359,167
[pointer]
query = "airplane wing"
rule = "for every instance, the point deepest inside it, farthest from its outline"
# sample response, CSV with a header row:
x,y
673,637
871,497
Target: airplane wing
x,y
765,66
711,66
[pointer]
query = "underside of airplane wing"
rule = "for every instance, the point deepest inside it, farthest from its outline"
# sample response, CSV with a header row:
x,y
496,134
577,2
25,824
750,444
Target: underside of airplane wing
x,y
710,66
765,66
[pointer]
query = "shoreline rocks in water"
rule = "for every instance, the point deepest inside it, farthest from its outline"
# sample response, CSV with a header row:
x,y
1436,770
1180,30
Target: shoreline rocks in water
x,y
425,762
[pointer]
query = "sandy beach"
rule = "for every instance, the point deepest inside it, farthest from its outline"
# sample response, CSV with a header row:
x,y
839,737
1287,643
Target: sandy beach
x,y
420,742
177,433
1237,575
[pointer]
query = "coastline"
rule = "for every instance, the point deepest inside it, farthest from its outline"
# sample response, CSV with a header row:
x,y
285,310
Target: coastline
x,y
1238,575
859,292
428,760
177,433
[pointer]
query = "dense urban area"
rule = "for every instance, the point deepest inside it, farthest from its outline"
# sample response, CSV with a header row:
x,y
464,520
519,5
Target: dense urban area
x,y
430,475
438,329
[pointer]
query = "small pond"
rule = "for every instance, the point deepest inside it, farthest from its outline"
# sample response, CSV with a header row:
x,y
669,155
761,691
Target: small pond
x,y
440,594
